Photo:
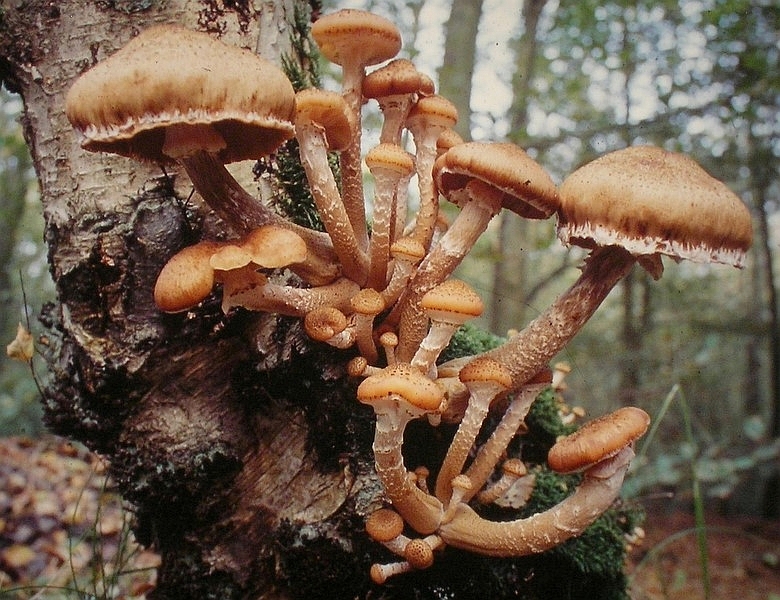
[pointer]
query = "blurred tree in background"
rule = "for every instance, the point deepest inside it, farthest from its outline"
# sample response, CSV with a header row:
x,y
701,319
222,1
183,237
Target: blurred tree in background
x,y
23,272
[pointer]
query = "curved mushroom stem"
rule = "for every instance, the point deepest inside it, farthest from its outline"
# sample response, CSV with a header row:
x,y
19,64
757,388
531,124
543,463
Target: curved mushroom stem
x,y
243,212
421,511
261,295
525,353
542,531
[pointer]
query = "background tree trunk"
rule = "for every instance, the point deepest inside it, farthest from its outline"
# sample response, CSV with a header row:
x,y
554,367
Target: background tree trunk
x,y
204,436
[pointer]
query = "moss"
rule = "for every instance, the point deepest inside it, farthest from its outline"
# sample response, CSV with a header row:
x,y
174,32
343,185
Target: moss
x,y
470,339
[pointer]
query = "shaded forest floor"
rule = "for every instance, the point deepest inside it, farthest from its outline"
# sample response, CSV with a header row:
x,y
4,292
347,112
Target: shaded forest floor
x,y
63,534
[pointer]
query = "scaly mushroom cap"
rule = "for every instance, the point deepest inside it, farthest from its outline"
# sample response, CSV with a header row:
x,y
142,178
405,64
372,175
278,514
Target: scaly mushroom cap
x,y
432,111
483,369
598,439
328,110
384,525
652,201
529,190
238,104
399,76
452,301
187,278
356,35
391,158
404,381
273,247
322,323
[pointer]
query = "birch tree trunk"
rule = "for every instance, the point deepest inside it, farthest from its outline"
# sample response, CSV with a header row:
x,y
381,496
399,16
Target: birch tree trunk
x,y
207,421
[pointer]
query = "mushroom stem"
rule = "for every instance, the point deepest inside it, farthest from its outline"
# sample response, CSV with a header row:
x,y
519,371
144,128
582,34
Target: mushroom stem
x,y
525,353
243,212
440,262
421,511
491,451
541,531
335,217
288,300
350,159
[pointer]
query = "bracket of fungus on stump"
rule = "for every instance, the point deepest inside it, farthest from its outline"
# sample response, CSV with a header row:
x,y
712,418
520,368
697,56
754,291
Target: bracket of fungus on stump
x,y
386,292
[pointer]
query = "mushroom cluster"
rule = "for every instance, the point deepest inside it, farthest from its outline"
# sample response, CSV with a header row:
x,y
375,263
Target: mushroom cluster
x,y
385,293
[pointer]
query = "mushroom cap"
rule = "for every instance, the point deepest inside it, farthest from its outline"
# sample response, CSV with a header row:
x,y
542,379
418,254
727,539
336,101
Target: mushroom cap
x,y
390,157
446,140
452,301
418,553
384,524
652,201
324,322
432,111
187,278
397,77
403,381
351,35
328,110
407,248
485,369
529,190
367,302
169,75
273,247
598,439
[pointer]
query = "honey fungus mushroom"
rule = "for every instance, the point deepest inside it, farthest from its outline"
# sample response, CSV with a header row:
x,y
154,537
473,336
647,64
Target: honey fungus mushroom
x,y
630,205
172,95
603,448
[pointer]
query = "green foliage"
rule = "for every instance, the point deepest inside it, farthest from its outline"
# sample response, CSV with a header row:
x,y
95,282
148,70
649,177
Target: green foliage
x,y
469,339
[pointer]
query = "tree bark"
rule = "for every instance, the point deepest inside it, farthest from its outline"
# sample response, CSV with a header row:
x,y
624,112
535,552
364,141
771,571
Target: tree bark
x,y
211,444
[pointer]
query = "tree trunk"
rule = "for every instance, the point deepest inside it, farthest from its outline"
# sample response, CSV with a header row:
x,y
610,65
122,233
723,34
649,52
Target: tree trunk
x,y
205,436
509,272
457,70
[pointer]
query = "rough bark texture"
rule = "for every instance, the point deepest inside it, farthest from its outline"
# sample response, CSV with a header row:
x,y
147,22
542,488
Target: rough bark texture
x,y
240,445
205,437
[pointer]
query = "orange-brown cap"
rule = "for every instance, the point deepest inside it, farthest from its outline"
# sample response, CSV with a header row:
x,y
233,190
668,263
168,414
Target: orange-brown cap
x,y
485,369
351,35
598,439
397,77
403,381
239,104
390,157
418,553
328,110
324,322
384,525
453,301
432,111
186,279
529,190
652,201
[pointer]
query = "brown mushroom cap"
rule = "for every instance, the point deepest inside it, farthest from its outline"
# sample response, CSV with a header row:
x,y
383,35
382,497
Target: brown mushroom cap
x,y
651,201
419,554
169,75
351,35
273,247
598,439
404,381
390,158
484,369
187,278
452,301
322,323
328,110
384,525
399,76
529,190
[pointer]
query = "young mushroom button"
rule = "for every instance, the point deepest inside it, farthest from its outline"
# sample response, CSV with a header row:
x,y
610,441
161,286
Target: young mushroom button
x,y
632,204
186,279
